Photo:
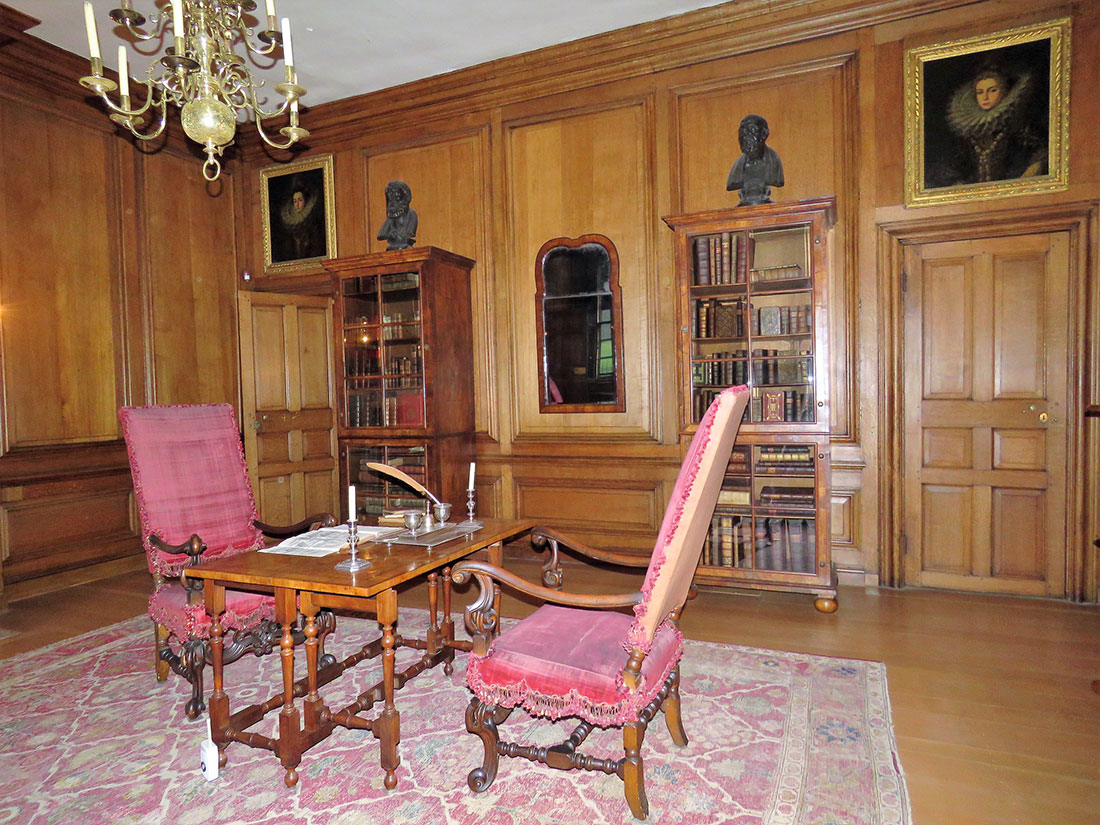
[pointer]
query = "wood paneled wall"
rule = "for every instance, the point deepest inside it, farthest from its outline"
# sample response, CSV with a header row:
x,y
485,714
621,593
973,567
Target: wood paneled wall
x,y
118,274
607,135
118,266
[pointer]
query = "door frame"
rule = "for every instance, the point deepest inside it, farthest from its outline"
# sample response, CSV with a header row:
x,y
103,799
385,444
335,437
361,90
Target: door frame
x,y
1080,221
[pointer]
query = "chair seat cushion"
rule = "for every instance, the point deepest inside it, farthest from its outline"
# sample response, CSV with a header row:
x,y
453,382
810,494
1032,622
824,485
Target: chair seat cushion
x,y
243,611
564,661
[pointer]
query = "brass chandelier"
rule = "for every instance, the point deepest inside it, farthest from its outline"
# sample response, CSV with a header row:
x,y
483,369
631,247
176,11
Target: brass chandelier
x,y
199,72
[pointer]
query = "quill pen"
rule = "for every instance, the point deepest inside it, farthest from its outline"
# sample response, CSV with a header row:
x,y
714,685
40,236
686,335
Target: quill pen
x,y
404,478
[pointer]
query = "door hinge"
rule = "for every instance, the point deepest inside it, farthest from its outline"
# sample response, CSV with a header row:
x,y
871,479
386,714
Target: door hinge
x,y
904,281
904,545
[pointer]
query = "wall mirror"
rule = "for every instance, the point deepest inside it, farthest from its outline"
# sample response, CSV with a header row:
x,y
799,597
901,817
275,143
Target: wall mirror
x,y
578,312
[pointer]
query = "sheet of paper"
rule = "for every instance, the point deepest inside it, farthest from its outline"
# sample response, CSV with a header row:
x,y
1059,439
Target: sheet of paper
x,y
328,540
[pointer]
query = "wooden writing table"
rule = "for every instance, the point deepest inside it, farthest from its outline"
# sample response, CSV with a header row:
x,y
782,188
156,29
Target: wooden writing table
x,y
305,585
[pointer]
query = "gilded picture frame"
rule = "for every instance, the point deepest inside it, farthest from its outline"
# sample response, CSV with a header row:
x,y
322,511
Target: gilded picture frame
x,y
298,214
987,116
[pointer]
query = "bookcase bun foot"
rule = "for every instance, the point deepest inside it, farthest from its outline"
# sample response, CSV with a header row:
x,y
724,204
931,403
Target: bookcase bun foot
x,y
826,604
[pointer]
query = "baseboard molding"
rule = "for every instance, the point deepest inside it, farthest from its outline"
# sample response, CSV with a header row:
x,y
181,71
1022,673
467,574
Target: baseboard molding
x,y
82,575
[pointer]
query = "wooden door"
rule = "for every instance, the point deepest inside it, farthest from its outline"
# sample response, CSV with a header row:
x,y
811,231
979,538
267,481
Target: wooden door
x,y
985,403
287,404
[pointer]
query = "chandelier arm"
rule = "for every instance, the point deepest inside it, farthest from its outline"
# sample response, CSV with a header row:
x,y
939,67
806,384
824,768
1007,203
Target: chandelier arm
x,y
271,142
133,21
133,123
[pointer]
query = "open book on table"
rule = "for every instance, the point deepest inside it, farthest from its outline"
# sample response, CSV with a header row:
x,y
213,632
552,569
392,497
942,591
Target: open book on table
x,y
327,540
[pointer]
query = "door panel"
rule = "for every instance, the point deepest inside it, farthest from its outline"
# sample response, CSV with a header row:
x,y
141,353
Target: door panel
x,y
287,404
985,414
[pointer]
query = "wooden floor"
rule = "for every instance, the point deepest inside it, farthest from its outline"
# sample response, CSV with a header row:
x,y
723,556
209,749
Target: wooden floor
x,y
994,715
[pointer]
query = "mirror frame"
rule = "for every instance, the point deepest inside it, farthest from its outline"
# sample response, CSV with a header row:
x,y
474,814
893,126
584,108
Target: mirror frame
x,y
619,404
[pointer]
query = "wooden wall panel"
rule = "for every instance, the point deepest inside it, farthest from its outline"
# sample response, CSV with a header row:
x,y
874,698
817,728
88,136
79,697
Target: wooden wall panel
x,y
59,287
452,196
51,527
801,111
570,174
192,282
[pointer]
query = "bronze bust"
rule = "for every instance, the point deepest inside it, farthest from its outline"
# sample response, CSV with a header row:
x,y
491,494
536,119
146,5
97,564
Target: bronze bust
x,y
759,166
399,229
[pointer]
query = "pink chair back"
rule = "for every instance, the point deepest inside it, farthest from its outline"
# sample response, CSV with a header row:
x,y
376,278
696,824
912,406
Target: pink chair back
x,y
688,516
190,476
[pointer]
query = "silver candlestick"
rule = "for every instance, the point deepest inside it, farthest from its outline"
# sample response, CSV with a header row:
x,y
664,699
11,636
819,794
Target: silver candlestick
x,y
470,524
353,562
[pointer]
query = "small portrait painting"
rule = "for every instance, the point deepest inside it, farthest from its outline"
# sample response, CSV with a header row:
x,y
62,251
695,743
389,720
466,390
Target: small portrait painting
x,y
298,217
986,116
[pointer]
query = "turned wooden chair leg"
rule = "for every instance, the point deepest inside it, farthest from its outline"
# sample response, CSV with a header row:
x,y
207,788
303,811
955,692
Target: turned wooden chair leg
x,y
634,769
671,707
483,720
160,643
326,623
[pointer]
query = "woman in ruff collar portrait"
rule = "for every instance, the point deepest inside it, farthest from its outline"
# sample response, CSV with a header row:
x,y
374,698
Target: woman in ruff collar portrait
x,y
993,126
301,221
992,115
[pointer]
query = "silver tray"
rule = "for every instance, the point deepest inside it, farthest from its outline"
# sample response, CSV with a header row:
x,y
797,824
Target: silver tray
x,y
438,534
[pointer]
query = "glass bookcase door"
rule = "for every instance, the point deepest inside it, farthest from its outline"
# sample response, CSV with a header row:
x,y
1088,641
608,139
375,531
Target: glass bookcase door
x,y
375,494
383,365
751,305
766,516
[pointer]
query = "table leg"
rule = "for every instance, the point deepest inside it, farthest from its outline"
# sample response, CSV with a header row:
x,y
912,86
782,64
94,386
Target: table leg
x,y
387,727
434,639
289,744
312,705
214,598
448,623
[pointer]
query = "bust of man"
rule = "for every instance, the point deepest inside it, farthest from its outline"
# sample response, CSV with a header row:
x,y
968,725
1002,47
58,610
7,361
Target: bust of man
x,y
399,230
759,166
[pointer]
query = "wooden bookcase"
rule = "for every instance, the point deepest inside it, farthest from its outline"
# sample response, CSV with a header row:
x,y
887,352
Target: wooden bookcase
x,y
753,310
404,345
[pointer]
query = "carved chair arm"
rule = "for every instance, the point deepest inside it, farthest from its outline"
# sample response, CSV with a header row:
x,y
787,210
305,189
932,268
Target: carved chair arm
x,y
308,523
193,547
542,537
481,618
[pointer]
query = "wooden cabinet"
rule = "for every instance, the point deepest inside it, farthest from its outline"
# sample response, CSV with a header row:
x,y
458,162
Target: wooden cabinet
x,y
405,373
753,310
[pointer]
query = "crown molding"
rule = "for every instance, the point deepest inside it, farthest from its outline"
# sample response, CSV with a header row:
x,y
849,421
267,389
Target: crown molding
x,y
709,34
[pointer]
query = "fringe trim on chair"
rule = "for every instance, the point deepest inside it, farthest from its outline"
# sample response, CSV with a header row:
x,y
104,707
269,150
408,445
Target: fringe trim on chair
x,y
196,629
572,704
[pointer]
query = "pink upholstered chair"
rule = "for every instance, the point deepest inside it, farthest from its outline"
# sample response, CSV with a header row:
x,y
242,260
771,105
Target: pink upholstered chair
x,y
599,665
195,503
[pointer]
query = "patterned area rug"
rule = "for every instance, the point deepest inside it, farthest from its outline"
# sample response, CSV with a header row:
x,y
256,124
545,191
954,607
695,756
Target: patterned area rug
x,y
87,735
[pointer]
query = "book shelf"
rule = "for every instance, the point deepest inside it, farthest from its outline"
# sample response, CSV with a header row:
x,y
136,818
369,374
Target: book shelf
x,y
753,311
404,374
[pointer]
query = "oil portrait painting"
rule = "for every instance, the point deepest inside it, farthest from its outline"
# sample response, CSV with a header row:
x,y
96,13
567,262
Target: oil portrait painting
x,y
298,218
986,116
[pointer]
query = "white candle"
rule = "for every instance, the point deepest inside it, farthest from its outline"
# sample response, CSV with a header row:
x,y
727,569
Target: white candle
x,y
471,486
177,18
351,502
93,35
288,51
270,8
123,73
